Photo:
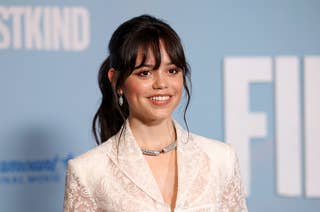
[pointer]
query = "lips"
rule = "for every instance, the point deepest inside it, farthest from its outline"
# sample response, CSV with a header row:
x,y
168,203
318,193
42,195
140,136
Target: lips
x,y
160,100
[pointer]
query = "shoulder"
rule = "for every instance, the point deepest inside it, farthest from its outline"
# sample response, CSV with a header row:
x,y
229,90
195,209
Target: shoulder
x,y
92,161
207,145
210,145
220,153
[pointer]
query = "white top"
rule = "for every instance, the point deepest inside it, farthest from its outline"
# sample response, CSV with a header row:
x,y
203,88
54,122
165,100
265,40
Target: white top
x,y
104,179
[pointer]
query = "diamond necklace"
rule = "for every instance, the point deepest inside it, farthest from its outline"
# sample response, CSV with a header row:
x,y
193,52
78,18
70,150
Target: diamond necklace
x,y
158,152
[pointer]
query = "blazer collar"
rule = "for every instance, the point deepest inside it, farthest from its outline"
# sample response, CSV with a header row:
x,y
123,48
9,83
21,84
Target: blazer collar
x,y
132,163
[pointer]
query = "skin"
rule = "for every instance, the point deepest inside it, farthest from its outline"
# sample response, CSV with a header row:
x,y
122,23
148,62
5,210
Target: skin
x,y
152,96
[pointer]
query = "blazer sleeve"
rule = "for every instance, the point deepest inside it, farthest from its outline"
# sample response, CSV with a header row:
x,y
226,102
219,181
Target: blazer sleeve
x,y
77,197
233,195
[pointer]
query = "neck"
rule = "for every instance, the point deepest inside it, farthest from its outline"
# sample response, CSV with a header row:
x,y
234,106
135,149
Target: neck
x,y
155,135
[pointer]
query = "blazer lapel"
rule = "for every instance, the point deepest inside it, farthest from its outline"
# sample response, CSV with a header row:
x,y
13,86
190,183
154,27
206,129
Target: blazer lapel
x,y
131,162
193,169
193,166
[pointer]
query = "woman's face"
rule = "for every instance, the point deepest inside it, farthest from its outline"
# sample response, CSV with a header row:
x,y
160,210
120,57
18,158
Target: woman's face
x,y
152,95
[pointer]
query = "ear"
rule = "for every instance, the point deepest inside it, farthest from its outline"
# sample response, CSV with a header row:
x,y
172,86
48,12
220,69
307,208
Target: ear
x,y
111,75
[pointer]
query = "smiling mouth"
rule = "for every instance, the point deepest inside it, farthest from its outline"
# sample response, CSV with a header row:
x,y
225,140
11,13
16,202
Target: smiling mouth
x,y
159,98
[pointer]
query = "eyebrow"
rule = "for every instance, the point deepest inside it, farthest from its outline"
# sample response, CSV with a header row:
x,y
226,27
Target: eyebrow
x,y
151,66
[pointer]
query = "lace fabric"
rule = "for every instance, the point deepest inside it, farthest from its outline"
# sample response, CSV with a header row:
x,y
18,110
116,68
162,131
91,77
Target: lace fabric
x,y
208,175
77,197
233,196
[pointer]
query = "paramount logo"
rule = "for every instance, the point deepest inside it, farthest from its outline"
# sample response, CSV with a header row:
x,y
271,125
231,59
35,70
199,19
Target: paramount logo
x,y
33,171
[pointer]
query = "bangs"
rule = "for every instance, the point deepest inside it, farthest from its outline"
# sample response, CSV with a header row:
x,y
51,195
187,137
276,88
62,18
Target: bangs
x,y
146,43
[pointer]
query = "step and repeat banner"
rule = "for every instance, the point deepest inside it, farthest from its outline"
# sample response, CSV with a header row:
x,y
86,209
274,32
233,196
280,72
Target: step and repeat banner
x,y
256,84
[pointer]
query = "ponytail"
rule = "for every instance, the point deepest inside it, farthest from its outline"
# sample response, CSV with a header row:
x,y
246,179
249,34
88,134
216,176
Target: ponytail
x,y
110,116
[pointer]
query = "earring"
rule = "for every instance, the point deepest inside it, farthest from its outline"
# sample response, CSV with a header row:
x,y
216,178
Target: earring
x,y
120,100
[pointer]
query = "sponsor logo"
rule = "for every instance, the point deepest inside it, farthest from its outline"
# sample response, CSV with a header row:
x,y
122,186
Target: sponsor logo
x,y
33,171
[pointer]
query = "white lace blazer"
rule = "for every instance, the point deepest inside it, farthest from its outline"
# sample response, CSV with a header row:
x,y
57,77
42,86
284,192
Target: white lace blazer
x,y
105,179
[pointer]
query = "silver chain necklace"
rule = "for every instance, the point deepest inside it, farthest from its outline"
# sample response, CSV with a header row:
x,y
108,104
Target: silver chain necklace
x,y
166,149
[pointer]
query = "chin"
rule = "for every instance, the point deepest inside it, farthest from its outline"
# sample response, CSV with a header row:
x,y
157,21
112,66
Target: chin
x,y
157,117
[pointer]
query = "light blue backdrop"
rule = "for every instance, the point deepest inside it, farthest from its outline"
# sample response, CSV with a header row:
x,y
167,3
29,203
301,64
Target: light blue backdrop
x,y
48,98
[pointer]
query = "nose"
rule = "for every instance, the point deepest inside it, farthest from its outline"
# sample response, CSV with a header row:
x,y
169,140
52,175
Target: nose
x,y
160,81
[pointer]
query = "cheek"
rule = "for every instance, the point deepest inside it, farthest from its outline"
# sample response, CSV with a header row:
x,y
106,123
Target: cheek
x,y
178,84
133,88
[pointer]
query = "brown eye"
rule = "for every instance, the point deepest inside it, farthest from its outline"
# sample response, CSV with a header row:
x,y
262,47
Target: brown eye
x,y
173,71
144,73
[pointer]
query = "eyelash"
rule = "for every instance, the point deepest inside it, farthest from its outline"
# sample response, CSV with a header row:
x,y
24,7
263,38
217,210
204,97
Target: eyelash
x,y
173,69
146,73
143,73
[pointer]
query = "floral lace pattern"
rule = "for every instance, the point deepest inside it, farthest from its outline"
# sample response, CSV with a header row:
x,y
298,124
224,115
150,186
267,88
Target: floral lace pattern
x,y
105,179
233,197
77,197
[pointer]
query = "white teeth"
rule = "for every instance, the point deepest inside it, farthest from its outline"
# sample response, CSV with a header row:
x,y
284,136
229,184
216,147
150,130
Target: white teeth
x,y
159,98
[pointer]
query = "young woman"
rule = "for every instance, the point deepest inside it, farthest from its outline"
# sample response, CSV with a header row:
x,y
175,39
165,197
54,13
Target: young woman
x,y
145,161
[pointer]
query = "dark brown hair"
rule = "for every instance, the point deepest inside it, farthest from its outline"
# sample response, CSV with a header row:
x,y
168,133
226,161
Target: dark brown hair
x,y
139,33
